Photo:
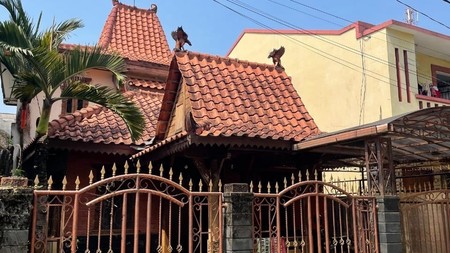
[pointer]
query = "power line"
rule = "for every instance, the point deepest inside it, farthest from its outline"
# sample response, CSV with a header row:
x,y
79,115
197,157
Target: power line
x,y
351,22
324,54
285,23
314,49
448,27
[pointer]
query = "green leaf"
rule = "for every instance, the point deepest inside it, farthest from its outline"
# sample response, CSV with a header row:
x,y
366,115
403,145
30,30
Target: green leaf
x,y
112,100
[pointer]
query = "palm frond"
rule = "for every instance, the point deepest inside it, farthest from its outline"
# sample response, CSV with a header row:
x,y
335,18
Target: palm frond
x,y
14,39
61,31
80,59
112,100
20,17
26,87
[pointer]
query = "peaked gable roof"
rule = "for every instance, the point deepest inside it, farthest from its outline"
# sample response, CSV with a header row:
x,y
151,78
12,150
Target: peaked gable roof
x,y
135,34
97,124
229,97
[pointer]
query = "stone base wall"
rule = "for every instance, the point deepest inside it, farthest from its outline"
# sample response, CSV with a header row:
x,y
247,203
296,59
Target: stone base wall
x,y
389,224
15,219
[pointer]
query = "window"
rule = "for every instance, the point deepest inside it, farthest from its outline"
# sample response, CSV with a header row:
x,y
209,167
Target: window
x,y
72,104
441,78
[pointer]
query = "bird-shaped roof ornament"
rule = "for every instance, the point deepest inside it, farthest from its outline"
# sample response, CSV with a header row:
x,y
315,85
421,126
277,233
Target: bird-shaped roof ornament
x,y
276,57
181,38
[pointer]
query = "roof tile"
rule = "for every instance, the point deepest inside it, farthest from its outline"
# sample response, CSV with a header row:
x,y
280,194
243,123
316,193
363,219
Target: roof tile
x,y
238,98
100,125
135,34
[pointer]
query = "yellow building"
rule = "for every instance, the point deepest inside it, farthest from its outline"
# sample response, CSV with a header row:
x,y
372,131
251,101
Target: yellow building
x,y
359,74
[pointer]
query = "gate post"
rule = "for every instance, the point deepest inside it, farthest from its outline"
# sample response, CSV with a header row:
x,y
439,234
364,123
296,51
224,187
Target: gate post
x,y
238,218
389,224
15,216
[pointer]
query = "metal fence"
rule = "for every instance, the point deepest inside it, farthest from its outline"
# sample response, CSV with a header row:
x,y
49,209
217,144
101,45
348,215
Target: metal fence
x,y
132,212
313,216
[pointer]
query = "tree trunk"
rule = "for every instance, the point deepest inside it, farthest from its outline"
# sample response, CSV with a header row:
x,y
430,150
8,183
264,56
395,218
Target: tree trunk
x,y
42,127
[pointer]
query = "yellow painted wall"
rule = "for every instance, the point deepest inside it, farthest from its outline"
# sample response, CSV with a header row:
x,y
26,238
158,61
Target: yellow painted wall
x,y
327,72
424,66
402,41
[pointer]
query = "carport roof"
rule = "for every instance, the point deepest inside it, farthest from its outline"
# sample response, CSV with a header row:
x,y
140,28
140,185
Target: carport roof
x,y
417,137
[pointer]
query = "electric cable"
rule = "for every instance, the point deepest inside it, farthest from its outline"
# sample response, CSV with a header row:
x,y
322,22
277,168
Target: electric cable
x,y
323,53
426,15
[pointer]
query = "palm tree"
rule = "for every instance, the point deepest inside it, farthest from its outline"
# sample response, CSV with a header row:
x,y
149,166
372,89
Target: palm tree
x,y
38,67
33,58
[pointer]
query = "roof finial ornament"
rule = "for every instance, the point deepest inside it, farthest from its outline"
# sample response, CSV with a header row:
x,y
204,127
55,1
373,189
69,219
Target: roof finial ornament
x,y
154,8
181,38
115,2
276,57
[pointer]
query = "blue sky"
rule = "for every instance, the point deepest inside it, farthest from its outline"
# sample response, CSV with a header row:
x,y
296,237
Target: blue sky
x,y
213,28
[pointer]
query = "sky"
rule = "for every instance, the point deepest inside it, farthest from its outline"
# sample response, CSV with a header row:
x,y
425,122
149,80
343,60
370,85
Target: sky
x,y
214,25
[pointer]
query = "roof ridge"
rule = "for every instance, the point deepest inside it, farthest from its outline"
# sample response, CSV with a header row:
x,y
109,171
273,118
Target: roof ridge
x,y
105,37
226,58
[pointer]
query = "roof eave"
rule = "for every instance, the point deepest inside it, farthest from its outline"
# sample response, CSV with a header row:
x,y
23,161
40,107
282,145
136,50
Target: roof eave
x,y
343,136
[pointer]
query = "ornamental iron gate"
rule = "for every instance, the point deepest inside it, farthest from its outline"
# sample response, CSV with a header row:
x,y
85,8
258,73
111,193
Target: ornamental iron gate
x,y
137,212
425,213
313,216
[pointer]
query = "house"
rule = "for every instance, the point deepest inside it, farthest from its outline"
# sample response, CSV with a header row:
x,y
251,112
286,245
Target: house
x,y
81,129
358,74
222,117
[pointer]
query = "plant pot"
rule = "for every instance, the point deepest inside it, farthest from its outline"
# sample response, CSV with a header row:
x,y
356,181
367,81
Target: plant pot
x,y
14,182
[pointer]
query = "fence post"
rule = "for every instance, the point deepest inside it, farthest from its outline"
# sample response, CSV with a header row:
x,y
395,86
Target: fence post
x,y
389,224
15,213
238,218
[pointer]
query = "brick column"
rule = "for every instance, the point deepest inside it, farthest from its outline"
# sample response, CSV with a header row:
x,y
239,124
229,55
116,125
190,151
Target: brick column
x,y
238,219
389,224
15,218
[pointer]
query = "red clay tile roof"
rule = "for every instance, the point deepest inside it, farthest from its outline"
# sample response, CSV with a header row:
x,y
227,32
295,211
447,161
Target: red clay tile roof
x,y
100,125
135,34
238,98
146,83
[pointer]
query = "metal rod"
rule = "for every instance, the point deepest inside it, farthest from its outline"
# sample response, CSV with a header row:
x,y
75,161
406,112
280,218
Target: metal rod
x,y
149,224
62,222
278,222
136,223
355,224
111,216
123,232
310,231
75,223
100,212
319,237
88,227
325,221
220,222
190,223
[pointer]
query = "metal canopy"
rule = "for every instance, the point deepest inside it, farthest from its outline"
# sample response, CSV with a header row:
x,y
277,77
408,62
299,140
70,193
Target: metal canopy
x,y
419,137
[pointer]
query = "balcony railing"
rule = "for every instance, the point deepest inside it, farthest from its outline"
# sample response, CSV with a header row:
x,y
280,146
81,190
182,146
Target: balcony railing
x,y
428,101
